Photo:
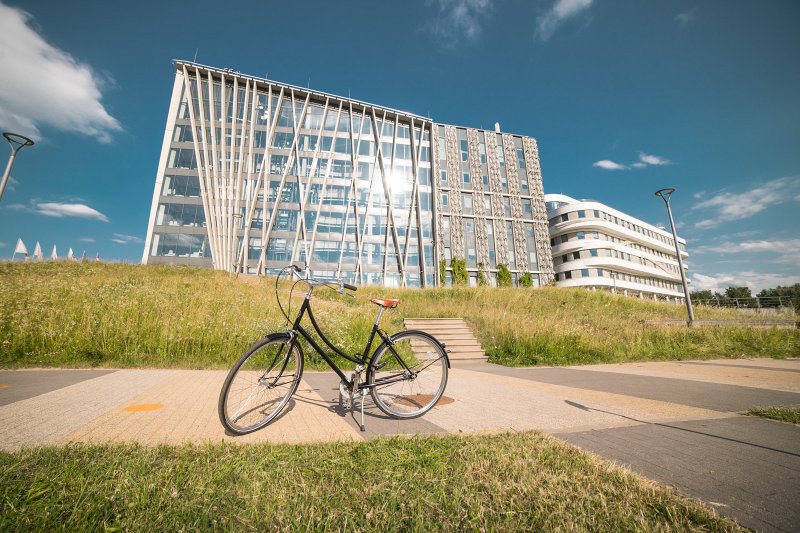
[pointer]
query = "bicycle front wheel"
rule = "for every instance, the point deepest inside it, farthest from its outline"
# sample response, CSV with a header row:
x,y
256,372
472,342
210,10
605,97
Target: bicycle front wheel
x,y
260,384
408,375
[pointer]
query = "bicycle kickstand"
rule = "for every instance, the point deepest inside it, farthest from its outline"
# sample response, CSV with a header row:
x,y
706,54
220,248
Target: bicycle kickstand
x,y
363,393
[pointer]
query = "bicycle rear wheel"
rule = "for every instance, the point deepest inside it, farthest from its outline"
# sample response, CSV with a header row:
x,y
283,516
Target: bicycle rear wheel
x,y
260,384
408,376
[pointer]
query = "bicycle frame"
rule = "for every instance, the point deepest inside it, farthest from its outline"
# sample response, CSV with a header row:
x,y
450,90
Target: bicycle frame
x,y
364,359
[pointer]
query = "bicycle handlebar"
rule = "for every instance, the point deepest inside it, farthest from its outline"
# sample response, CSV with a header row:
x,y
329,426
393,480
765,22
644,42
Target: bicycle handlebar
x,y
296,269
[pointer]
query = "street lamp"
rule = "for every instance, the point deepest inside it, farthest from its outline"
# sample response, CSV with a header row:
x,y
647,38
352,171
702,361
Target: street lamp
x,y
665,194
237,221
16,142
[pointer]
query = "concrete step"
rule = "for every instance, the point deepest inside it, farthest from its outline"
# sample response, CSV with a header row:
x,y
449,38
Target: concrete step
x,y
456,335
439,329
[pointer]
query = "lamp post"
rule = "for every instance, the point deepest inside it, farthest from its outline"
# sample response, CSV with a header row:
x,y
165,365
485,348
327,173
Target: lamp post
x,y
17,142
665,194
237,220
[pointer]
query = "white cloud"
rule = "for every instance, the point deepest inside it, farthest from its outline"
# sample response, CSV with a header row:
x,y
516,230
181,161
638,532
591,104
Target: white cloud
x,y
547,24
59,210
644,161
788,250
752,246
458,21
686,17
736,206
756,281
87,239
121,238
44,86
3,244
11,185
652,159
609,165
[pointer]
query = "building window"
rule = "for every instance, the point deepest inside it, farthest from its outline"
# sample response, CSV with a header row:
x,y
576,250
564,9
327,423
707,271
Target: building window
x,y
568,275
576,255
584,272
593,252
467,203
564,217
485,180
466,177
580,235
526,207
581,214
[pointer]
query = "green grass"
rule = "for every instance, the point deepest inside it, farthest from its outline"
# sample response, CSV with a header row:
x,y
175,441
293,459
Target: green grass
x,y
784,414
114,315
520,481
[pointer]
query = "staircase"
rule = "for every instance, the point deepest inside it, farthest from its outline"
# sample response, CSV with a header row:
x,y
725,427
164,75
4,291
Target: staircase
x,y
454,333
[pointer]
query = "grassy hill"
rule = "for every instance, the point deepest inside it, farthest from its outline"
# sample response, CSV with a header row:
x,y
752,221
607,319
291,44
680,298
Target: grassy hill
x,y
73,314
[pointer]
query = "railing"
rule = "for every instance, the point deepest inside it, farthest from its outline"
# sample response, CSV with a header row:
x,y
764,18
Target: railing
x,y
755,302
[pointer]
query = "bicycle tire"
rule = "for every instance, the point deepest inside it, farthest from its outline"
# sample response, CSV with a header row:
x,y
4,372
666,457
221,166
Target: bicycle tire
x,y
411,388
260,384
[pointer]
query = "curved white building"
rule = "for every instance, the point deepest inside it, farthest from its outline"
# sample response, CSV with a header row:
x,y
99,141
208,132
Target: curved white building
x,y
598,247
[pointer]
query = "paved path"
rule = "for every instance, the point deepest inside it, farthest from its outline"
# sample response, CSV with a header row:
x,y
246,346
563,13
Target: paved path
x,y
675,422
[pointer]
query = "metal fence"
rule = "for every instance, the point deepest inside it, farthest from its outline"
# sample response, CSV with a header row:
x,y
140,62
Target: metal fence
x,y
756,302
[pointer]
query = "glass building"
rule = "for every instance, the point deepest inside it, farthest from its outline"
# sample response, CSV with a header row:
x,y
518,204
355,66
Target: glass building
x,y
256,174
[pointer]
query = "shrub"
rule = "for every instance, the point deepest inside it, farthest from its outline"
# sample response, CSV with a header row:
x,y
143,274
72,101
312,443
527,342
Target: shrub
x,y
504,278
459,267
482,281
526,280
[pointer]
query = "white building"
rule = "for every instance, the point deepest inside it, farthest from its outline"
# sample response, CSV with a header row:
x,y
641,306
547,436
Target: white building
x,y
598,247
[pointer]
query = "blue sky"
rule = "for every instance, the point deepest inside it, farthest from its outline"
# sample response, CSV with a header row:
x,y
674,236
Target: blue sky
x,y
624,97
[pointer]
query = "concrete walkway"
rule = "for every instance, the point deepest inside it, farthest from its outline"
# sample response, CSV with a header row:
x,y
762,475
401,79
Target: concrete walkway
x,y
675,422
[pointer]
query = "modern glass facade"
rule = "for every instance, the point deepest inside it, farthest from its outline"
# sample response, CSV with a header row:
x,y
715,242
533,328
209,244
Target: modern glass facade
x,y
256,174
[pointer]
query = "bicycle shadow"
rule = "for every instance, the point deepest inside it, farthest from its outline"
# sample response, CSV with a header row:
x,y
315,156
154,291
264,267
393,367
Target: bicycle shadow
x,y
289,407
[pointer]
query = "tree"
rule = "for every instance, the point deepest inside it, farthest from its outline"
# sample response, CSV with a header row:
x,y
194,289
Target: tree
x,y
738,292
791,292
702,295
526,280
504,278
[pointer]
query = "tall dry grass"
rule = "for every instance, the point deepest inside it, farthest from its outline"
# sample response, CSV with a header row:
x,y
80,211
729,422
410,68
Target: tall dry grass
x,y
74,314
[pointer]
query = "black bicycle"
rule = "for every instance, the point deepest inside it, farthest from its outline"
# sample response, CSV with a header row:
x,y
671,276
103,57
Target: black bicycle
x,y
406,374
